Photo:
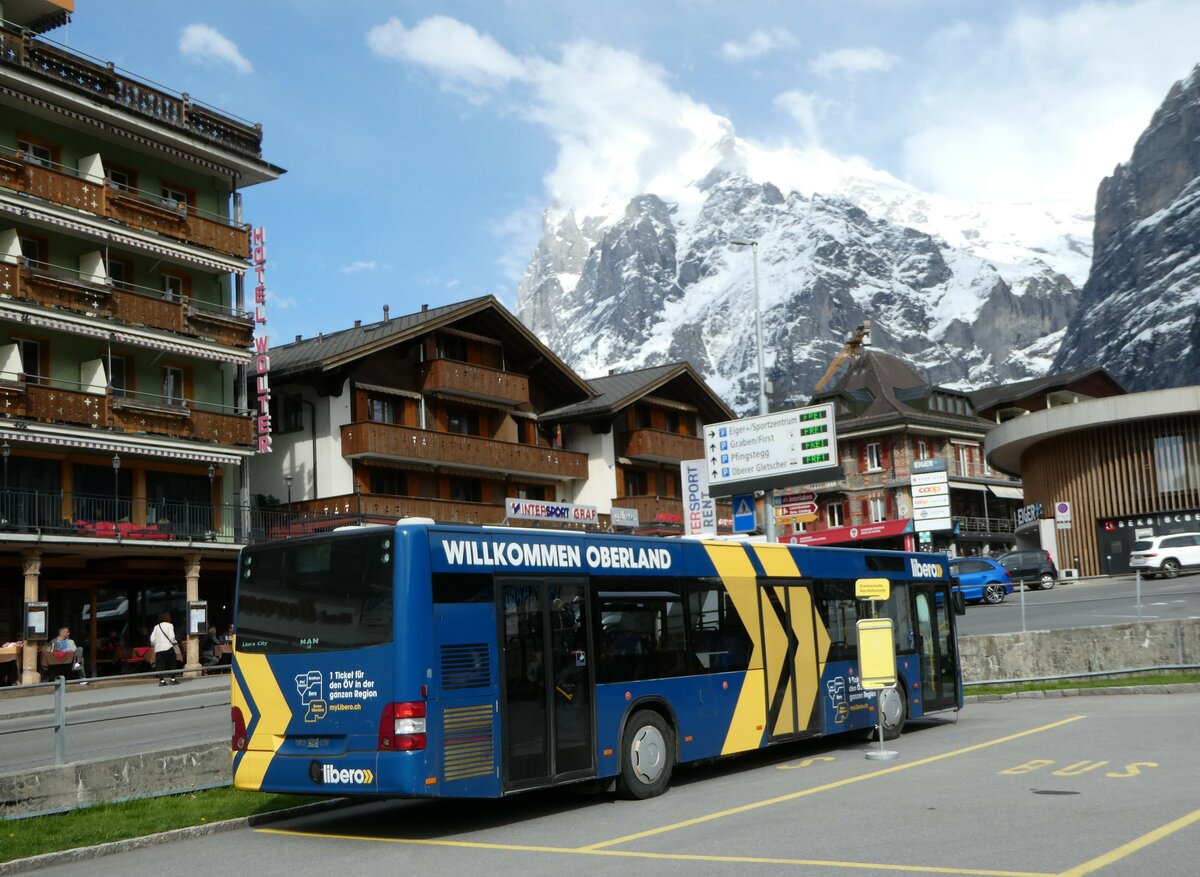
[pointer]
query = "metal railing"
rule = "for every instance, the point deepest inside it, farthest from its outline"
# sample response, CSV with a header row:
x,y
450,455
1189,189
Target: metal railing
x,y
984,525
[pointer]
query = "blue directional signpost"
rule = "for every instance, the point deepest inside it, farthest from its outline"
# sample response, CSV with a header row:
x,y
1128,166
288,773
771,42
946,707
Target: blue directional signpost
x,y
743,514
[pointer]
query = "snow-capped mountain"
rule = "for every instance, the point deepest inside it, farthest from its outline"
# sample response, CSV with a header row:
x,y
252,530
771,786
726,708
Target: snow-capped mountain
x,y
972,295
1140,310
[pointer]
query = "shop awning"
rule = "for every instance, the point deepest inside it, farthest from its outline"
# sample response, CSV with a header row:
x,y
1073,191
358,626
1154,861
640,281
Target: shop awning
x,y
1005,492
838,535
964,485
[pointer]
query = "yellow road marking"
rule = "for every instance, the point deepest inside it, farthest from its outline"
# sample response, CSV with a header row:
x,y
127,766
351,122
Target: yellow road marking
x,y
671,857
1133,846
827,786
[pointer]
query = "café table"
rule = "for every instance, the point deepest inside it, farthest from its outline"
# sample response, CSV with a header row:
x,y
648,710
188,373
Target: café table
x,y
10,664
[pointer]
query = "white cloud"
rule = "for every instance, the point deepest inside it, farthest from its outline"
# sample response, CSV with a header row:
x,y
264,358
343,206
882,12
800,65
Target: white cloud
x,y
803,108
207,45
760,42
1046,105
851,62
361,265
449,48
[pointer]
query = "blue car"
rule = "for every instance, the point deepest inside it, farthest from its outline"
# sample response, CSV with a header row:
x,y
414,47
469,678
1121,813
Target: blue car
x,y
981,579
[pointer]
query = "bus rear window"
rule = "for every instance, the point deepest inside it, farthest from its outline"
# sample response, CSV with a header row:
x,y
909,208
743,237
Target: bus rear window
x,y
316,595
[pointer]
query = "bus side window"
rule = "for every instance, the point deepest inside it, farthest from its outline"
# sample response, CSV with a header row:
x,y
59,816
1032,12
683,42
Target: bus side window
x,y
839,613
641,631
462,588
718,641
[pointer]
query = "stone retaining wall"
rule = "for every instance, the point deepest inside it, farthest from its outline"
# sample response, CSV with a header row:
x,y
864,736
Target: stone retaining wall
x,y
51,789
1113,647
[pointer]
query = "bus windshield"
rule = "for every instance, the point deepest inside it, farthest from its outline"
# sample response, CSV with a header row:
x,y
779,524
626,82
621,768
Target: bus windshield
x,y
316,595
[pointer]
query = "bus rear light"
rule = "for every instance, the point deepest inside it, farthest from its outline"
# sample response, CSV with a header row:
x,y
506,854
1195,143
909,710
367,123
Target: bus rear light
x,y
402,727
238,743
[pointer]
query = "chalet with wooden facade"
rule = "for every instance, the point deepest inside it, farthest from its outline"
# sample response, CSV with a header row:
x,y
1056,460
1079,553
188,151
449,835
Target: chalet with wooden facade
x,y
124,341
433,414
636,430
888,418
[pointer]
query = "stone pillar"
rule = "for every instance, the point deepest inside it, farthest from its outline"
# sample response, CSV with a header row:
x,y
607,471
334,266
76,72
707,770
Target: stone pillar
x,y
31,565
191,572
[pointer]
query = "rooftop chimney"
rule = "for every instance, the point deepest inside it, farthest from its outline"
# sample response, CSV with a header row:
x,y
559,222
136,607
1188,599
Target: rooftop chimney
x,y
385,313
298,337
424,308
358,324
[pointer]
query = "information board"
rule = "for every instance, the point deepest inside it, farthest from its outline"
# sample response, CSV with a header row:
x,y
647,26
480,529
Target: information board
x,y
771,450
876,653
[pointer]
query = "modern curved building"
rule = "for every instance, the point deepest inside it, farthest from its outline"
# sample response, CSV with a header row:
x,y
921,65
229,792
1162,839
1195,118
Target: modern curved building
x,y
1099,473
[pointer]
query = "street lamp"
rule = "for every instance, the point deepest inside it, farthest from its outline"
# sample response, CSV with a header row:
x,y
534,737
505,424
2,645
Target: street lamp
x,y
768,500
288,480
116,461
758,336
5,450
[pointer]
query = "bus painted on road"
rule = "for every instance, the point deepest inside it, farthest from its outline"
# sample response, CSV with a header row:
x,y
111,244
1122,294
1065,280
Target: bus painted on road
x,y
451,661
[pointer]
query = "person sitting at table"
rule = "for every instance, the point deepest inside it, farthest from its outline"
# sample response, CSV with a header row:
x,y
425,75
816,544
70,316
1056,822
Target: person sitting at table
x,y
64,643
208,647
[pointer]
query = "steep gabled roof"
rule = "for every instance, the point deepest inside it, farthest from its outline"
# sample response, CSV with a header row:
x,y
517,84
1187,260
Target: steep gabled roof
x,y
887,384
328,352
1091,382
618,391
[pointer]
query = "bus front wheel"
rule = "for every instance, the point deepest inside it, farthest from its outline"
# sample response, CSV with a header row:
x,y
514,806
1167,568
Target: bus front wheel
x,y
647,755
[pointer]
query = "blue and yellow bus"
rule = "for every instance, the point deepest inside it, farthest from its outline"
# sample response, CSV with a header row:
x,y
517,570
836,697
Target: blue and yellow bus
x,y
448,661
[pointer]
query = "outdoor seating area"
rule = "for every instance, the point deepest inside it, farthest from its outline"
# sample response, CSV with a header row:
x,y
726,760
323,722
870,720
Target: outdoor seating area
x,y
121,530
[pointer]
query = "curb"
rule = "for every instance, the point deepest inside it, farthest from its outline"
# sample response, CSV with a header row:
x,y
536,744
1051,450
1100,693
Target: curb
x,y
1176,688
84,854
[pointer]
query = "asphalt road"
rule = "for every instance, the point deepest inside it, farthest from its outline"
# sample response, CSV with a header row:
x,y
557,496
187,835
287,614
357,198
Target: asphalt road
x,y
1025,788
1087,603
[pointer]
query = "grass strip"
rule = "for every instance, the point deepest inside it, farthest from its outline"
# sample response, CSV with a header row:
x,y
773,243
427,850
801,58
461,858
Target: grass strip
x,y
1145,679
104,823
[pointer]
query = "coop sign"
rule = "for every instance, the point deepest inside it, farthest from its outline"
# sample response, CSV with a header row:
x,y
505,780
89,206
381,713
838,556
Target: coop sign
x,y
262,362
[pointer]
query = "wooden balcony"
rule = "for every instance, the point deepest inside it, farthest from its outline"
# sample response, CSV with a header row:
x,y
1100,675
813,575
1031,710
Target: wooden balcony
x,y
473,382
659,446
374,507
125,305
132,209
52,404
105,85
403,443
653,510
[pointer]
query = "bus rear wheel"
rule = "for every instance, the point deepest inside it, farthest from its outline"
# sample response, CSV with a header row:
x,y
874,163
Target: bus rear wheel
x,y
647,755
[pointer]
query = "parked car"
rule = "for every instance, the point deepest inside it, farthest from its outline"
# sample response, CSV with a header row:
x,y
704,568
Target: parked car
x,y
1032,566
981,579
1165,555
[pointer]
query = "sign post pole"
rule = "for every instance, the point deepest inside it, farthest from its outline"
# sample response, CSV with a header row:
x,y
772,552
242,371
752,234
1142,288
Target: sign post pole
x,y
876,656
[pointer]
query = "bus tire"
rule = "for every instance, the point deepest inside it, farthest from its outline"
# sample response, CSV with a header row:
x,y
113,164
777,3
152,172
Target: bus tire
x,y
647,755
893,710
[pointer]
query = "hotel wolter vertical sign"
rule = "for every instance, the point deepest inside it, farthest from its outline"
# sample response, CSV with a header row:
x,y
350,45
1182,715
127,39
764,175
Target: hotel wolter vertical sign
x,y
262,362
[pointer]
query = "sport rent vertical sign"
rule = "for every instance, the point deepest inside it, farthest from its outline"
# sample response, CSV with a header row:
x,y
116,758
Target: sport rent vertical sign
x,y
699,509
262,362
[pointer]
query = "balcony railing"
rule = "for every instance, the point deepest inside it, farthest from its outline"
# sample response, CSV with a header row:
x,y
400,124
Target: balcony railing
x,y
404,443
65,288
65,186
106,83
660,446
473,381
984,525
55,401
377,508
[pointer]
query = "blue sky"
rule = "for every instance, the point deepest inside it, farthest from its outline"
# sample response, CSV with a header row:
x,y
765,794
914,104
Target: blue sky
x,y
423,140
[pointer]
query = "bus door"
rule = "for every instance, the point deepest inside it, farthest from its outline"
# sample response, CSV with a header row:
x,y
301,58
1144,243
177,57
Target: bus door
x,y
935,646
547,692
789,658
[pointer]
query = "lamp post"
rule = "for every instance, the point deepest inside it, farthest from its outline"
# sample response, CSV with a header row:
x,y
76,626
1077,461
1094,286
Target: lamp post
x,y
212,503
5,450
116,463
769,496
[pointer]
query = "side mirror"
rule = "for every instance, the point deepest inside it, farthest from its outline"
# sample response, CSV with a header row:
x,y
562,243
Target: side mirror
x,y
958,601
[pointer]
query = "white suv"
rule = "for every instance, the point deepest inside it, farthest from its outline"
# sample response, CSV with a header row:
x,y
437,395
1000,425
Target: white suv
x,y
1165,555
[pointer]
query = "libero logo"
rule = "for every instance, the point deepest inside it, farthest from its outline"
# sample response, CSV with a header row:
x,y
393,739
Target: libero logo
x,y
344,776
924,570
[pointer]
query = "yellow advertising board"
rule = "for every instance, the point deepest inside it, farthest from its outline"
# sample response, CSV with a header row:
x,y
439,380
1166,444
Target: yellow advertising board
x,y
872,589
876,653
